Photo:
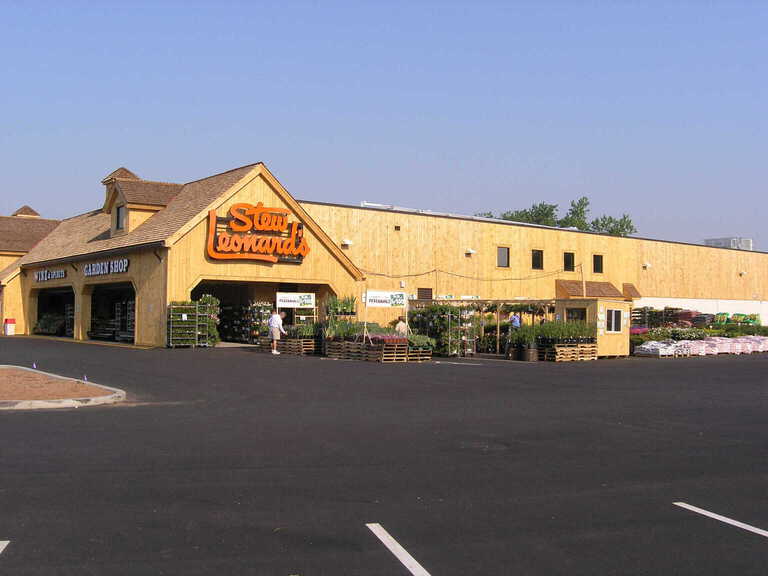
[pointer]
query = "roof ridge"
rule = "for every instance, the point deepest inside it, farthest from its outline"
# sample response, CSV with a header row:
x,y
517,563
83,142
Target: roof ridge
x,y
222,173
36,219
141,180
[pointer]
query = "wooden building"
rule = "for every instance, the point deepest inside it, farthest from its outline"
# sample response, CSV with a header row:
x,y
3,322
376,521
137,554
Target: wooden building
x,y
242,236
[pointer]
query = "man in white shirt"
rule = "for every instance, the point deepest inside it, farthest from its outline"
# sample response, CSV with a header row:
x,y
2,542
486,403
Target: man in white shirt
x,y
275,329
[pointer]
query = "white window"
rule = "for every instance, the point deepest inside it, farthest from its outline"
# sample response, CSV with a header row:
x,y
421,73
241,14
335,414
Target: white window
x,y
613,321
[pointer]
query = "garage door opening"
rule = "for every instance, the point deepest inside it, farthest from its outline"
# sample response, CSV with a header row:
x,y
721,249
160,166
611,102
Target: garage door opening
x,y
113,312
245,306
55,312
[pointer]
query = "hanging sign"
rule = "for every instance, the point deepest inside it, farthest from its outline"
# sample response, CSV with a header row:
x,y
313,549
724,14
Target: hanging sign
x,y
119,266
257,232
381,299
295,300
45,275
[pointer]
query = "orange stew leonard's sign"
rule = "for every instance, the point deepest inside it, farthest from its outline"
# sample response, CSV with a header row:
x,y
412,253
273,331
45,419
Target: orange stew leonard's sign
x,y
256,233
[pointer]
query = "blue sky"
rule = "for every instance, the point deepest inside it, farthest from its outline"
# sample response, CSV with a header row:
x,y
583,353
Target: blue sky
x,y
658,110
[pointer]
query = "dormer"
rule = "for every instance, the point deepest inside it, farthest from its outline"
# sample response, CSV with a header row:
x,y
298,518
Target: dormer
x,y
26,212
131,201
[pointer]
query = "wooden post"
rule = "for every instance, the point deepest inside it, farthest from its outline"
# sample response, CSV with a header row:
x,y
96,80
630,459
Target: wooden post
x,y
498,329
583,282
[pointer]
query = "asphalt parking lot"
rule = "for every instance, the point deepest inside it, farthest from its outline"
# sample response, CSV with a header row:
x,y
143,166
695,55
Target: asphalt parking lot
x,y
233,462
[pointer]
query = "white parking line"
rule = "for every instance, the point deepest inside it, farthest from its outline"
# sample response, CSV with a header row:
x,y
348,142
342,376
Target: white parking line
x,y
725,519
400,553
3,544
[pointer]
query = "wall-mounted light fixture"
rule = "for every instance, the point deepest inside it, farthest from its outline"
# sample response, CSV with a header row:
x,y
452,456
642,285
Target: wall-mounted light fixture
x,y
402,283
646,265
469,252
742,273
346,243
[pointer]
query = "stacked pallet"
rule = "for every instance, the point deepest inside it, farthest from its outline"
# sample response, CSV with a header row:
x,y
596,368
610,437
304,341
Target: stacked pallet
x,y
387,352
568,353
295,346
419,354
345,350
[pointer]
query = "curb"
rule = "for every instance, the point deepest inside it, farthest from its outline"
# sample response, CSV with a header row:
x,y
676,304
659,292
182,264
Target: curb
x,y
114,395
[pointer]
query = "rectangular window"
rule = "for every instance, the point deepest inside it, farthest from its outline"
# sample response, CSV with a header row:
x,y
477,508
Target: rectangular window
x,y
613,321
537,259
502,257
575,314
120,218
424,293
597,263
569,261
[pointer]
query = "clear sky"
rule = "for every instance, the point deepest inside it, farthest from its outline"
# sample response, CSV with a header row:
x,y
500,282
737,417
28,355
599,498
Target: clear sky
x,y
658,110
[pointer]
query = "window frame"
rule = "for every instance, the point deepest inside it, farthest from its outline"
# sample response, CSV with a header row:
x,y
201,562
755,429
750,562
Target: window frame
x,y
611,317
509,256
533,251
120,217
573,261
602,264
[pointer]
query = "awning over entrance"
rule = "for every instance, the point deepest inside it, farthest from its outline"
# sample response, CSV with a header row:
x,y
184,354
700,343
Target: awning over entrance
x,y
576,289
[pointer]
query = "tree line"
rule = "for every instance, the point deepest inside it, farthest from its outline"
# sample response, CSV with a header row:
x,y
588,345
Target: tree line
x,y
577,217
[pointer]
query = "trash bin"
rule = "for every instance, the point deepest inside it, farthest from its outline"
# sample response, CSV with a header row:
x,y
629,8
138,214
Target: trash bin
x,y
9,326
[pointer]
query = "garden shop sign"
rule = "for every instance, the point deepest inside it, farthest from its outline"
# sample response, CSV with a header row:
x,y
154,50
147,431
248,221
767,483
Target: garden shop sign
x,y
119,266
257,232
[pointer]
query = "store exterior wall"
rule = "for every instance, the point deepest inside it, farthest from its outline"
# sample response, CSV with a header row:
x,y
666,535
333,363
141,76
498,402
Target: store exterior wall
x,y
13,304
425,243
146,272
8,258
189,263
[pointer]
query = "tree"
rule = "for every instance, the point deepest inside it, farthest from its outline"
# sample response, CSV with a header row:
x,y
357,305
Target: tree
x,y
541,213
577,216
614,226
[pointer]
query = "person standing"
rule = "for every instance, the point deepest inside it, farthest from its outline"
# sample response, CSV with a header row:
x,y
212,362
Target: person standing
x,y
401,327
276,329
515,321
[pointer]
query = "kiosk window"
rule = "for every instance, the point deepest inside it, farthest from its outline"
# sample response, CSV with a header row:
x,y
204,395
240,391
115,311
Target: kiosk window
x,y
537,259
613,321
502,257
575,314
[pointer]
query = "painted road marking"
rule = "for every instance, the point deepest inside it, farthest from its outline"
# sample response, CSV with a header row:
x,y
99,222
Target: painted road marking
x,y
3,545
400,553
725,519
458,363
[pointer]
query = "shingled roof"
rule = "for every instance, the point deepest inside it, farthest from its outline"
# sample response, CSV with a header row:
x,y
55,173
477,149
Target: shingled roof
x,y
575,289
21,234
147,192
89,233
121,172
26,211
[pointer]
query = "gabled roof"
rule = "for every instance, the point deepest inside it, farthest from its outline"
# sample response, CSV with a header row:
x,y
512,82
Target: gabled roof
x,y
25,211
89,234
121,172
18,234
147,192
630,291
575,289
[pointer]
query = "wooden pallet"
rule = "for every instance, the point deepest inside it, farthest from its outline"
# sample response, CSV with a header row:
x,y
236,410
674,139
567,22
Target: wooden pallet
x,y
569,353
294,346
345,350
419,355
387,353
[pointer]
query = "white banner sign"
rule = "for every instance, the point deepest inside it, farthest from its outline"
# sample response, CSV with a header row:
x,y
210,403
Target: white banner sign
x,y
295,300
380,299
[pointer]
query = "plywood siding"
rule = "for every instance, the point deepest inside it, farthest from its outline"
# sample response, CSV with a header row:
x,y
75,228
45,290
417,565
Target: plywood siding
x,y
428,243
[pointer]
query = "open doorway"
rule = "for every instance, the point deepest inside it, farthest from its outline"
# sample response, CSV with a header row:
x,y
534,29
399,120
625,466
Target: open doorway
x,y
55,312
113,312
